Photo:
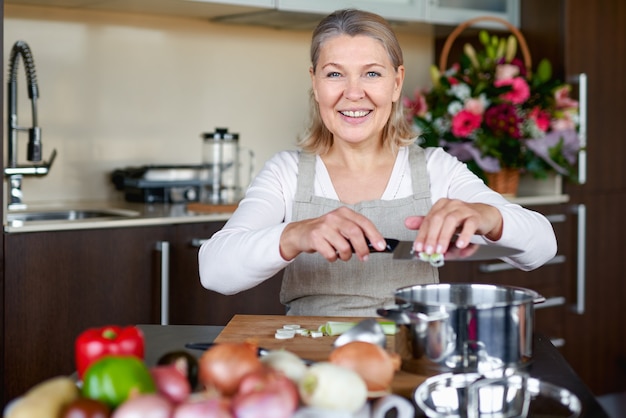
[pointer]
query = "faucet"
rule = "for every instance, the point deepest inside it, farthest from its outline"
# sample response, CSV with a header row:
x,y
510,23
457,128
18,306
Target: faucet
x,y
13,171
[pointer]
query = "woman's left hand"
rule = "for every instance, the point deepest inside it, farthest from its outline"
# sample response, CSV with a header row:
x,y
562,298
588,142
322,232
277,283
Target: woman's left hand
x,y
451,216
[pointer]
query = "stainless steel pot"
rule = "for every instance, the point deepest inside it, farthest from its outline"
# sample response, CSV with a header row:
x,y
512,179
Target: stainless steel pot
x,y
463,327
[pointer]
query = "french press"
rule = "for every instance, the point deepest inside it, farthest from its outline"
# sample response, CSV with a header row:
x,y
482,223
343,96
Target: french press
x,y
221,156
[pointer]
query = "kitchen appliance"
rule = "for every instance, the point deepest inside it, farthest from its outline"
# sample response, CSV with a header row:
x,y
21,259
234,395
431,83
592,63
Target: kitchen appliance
x,y
459,327
162,183
219,180
221,154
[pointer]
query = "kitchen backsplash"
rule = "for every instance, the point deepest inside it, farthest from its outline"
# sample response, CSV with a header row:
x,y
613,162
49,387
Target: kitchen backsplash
x,y
120,90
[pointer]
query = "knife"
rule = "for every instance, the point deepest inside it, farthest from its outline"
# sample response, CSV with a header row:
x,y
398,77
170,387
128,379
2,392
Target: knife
x,y
403,250
260,351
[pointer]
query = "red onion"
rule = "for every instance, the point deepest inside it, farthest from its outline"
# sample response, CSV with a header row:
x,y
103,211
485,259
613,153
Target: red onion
x,y
171,383
144,406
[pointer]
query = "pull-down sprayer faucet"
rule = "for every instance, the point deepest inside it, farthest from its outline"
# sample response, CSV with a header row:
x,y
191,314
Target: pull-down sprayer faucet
x,y
13,171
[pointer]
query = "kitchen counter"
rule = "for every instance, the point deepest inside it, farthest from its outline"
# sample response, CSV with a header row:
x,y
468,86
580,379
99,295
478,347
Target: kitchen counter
x,y
149,214
136,214
547,364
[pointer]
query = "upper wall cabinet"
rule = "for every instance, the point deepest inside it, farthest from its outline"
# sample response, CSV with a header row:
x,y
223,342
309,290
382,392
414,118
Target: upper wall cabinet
x,y
303,14
402,10
453,12
446,12
412,15
179,8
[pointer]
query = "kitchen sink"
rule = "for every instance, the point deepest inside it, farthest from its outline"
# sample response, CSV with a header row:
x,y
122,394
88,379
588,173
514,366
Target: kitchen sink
x,y
52,215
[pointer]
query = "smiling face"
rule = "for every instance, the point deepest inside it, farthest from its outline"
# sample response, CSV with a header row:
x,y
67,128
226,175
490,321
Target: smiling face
x,y
355,84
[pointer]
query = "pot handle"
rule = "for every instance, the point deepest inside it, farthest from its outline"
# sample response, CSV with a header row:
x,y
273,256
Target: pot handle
x,y
401,316
539,299
395,314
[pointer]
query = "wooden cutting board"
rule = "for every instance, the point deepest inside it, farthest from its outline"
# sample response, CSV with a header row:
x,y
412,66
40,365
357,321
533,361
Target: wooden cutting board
x,y
261,329
201,207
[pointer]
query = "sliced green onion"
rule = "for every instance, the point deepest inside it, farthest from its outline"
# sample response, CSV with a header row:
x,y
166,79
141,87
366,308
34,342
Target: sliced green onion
x,y
333,328
435,260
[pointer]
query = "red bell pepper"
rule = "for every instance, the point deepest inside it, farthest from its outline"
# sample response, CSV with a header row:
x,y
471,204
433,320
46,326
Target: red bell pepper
x,y
98,342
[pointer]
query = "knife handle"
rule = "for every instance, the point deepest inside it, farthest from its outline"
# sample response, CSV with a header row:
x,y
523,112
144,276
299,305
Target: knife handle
x,y
260,351
208,345
390,245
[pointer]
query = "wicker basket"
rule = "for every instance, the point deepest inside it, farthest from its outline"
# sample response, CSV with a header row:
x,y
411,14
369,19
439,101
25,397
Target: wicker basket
x,y
505,181
445,51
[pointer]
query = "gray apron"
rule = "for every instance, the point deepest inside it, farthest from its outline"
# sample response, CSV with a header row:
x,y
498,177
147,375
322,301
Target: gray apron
x,y
314,286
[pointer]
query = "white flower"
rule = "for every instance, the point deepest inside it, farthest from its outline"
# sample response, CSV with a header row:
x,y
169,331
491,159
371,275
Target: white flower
x,y
532,129
461,90
442,124
455,107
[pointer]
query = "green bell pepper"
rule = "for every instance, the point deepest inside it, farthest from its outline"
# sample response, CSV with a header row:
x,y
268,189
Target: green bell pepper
x,y
113,378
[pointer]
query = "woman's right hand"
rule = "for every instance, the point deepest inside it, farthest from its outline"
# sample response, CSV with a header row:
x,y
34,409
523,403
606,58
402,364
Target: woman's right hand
x,y
334,235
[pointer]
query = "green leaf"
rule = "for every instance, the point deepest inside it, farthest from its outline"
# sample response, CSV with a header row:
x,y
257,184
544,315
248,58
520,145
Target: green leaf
x,y
511,48
469,51
483,36
501,49
544,70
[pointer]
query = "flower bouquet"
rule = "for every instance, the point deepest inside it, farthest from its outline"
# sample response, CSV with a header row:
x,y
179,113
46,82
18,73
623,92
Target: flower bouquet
x,y
493,112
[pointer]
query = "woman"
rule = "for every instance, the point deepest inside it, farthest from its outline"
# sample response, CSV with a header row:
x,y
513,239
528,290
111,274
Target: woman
x,y
359,177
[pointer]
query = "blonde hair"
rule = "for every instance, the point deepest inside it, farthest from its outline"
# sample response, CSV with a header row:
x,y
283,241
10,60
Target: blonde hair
x,y
397,132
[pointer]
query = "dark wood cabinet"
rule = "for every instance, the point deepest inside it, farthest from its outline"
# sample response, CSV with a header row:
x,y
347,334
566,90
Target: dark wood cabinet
x,y
191,304
589,37
57,284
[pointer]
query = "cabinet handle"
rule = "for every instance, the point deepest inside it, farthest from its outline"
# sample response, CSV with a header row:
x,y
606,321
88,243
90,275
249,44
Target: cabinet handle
x,y
197,242
164,248
557,342
556,218
496,267
581,211
581,79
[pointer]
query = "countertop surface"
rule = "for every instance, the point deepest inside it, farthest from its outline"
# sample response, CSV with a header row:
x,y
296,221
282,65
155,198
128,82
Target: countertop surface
x,y
134,214
147,214
547,364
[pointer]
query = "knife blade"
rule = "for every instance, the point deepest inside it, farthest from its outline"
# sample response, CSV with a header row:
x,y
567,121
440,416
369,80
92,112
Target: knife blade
x,y
403,250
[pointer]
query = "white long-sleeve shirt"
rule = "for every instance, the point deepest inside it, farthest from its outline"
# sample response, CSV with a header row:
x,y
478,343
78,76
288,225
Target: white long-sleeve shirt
x,y
246,251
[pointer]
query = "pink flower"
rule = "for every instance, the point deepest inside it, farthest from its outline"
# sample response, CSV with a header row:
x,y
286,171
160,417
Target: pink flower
x,y
475,106
464,123
564,123
516,62
417,107
541,118
453,81
506,71
520,92
563,101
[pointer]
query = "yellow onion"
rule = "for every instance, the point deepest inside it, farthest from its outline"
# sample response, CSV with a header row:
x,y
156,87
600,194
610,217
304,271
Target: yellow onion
x,y
374,364
224,365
